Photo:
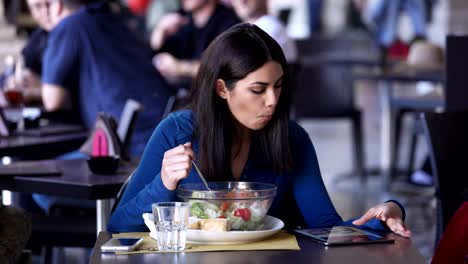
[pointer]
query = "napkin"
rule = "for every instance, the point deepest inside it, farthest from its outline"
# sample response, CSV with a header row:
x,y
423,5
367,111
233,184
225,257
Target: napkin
x,y
280,241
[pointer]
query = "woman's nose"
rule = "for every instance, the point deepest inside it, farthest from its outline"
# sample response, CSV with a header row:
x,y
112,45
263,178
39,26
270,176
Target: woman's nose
x,y
271,97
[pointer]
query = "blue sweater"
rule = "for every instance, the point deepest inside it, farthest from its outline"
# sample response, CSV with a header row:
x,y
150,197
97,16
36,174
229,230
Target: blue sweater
x,y
301,195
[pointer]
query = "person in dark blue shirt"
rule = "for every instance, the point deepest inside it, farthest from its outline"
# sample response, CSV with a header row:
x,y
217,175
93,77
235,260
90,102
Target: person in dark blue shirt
x,y
239,130
95,63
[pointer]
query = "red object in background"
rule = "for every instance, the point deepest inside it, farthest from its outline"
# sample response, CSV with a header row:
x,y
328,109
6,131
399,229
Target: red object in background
x,y
14,97
453,246
138,7
398,50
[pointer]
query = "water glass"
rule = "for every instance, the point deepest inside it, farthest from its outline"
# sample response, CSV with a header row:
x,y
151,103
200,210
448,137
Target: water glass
x,y
171,220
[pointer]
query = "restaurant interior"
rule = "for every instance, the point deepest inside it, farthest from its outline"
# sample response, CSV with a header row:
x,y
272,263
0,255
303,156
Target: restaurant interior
x,y
377,85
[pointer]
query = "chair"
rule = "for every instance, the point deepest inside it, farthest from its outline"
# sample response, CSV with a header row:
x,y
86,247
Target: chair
x,y
325,91
455,92
127,122
453,246
121,192
447,136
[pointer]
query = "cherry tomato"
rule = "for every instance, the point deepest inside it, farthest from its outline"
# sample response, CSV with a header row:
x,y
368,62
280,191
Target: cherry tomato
x,y
244,213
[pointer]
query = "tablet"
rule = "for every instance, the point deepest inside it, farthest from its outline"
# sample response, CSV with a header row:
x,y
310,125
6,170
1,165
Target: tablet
x,y
343,235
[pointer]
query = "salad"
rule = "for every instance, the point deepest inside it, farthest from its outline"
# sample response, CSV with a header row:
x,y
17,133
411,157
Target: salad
x,y
241,214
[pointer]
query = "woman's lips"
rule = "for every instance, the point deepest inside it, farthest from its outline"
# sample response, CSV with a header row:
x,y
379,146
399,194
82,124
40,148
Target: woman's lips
x,y
266,117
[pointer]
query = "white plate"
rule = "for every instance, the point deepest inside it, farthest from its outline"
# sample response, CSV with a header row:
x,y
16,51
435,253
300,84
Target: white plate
x,y
271,226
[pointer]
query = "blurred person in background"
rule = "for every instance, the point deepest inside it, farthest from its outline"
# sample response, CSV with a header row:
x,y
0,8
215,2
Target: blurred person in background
x,y
315,13
34,49
180,38
85,69
94,63
156,10
30,77
383,17
256,12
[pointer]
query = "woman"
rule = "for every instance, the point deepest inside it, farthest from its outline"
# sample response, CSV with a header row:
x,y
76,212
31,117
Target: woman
x,y
239,129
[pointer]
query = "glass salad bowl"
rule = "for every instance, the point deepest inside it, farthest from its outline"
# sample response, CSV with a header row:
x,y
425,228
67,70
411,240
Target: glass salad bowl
x,y
242,204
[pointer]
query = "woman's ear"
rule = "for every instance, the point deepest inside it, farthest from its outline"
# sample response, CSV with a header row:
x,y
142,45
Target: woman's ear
x,y
221,88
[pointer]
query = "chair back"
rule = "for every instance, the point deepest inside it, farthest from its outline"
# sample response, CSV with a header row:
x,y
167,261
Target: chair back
x,y
322,90
447,135
456,79
127,121
121,192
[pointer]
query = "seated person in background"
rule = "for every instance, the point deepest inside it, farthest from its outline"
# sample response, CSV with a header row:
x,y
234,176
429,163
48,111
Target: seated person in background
x,y
256,12
383,16
239,130
423,176
35,46
156,10
94,63
30,78
180,40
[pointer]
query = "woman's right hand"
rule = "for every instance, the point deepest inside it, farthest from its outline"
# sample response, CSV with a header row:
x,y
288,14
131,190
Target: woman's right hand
x,y
176,165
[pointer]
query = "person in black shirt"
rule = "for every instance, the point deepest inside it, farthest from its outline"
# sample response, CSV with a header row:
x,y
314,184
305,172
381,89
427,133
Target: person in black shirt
x,y
34,49
180,39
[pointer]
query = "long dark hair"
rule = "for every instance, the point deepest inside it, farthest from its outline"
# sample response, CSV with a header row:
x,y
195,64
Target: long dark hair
x,y
231,56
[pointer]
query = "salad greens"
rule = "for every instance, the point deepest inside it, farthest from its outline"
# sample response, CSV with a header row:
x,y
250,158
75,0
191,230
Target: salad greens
x,y
242,215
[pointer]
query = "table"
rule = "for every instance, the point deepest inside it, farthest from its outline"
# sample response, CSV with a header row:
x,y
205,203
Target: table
x,y
402,251
39,147
386,79
342,58
76,181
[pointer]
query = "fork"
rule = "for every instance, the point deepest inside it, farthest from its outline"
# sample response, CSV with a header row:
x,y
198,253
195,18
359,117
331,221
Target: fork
x,y
201,175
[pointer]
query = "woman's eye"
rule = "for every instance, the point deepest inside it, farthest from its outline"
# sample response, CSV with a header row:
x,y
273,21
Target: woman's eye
x,y
257,91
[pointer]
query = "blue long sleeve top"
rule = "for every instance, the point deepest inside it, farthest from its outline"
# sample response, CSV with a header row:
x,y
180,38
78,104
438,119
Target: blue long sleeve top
x,y
301,195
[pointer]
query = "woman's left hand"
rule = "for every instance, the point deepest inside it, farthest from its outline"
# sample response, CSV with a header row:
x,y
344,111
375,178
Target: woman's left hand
x,y
390,213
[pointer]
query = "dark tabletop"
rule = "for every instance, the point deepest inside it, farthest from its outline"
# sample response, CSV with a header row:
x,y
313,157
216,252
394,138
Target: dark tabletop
x,y
40,147
402,251
76,181
342,58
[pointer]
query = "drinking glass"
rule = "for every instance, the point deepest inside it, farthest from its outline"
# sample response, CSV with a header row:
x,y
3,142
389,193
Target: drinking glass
x,y
13,89
171,220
